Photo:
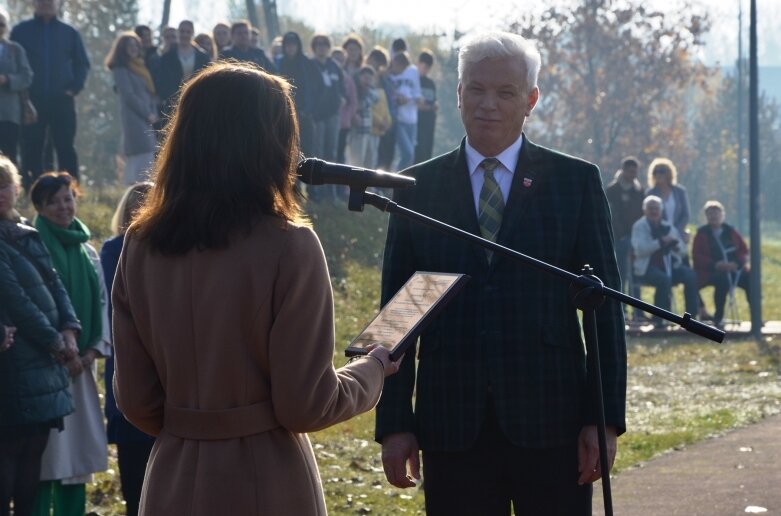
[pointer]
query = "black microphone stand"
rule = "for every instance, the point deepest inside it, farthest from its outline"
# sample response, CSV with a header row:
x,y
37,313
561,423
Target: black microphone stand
x,y
587,292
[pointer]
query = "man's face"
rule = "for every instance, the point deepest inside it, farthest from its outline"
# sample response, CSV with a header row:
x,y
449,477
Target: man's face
x,y
714,216
653,212
629,172
186,33
169,37
222,35
240,37
290,48
423,69
353,53
494,102
322,50
46,8
367,80
146,38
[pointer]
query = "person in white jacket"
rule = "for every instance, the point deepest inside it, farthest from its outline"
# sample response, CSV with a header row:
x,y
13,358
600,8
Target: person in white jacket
x,y
659,252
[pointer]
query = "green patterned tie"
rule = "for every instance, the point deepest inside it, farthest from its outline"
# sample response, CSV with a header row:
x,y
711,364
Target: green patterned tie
x,y
491,203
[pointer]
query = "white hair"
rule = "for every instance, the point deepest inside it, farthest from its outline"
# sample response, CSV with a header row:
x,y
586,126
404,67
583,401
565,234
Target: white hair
x,y
652,199
497,44
4,14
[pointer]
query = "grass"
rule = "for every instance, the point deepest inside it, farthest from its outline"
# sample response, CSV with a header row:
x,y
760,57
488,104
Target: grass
x,y
681,390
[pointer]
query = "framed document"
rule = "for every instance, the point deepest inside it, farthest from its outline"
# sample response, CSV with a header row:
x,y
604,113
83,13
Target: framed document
x,y
408,313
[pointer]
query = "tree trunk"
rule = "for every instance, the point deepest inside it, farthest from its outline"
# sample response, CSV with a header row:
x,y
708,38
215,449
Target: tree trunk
x,y
272,21
166,13
252,13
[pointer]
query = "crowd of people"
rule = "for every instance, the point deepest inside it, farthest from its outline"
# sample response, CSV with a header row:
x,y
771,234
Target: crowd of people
x,y
365,107
652,242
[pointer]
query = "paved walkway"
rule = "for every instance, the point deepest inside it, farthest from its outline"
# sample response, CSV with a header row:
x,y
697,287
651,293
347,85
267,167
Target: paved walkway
x,y
737,473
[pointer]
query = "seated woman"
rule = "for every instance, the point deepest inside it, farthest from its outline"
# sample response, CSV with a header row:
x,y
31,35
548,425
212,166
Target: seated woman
x,y
659,252
720,258
223,311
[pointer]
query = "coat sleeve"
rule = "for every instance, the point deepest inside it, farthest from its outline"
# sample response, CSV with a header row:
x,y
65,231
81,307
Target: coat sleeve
x,y
595,247
137,387
23,312
123,82
80,64
23,76
307,393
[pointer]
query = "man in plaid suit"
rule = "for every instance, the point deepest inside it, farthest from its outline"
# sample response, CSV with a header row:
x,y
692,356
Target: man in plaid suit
x,y
502,410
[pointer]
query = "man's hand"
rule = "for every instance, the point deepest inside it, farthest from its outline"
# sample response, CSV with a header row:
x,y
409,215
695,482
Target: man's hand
x,y
397,449
9,338
588,453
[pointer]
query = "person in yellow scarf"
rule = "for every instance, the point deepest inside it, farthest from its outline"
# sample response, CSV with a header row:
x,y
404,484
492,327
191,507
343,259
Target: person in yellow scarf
x,y
139,105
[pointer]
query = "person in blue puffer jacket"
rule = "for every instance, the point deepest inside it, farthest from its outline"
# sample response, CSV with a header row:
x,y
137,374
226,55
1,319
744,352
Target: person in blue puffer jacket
x,y
34,370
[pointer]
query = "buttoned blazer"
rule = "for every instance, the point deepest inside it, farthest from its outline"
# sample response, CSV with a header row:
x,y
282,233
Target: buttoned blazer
x,y
512,335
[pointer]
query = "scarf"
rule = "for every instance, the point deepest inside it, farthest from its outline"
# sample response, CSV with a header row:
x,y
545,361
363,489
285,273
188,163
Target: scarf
x,y
77,273
137,66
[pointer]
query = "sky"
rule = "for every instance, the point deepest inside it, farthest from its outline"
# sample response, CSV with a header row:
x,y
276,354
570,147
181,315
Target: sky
x,y
445,16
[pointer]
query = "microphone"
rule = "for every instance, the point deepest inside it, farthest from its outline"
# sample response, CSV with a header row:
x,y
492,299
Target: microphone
x,y
313,171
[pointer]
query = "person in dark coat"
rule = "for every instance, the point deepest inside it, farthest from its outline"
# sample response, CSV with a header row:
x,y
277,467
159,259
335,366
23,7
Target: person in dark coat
x,y
34,394
502,410
427,108
300,71
625,197
243,50
133,445
721,258
60,66
177,65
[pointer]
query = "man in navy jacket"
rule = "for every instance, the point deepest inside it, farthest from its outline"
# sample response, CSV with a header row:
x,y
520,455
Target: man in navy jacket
x,y
60,64
502,408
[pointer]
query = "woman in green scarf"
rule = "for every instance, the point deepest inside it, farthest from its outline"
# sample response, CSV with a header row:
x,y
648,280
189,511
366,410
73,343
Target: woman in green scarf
x,y
80,450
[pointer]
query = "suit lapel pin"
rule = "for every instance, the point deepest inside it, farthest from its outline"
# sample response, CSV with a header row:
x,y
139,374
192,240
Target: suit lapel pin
x,y
527,182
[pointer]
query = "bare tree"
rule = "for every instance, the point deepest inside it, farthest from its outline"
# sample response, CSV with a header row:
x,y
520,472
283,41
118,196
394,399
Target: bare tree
x,y
615,78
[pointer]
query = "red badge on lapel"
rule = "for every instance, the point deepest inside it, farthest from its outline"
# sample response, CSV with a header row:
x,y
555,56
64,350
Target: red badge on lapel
x,y
527,182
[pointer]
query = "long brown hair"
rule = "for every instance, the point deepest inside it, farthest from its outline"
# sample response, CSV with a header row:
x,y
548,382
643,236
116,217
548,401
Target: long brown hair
x,y
229,157
117,57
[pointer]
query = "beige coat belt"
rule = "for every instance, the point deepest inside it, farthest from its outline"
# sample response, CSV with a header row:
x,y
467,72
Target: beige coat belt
x,y
232,423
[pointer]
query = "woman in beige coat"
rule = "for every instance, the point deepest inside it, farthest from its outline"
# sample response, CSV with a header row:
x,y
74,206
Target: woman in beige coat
x,y
223,312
